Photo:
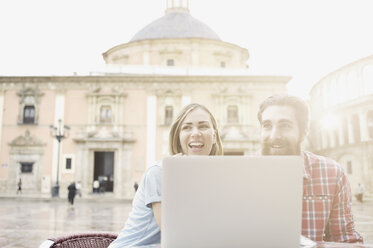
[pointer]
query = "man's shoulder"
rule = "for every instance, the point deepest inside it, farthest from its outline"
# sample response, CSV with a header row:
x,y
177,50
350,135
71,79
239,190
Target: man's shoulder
x,y
321,161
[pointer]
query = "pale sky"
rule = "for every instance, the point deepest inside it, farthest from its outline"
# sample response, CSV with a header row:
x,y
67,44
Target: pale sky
x,y
305,39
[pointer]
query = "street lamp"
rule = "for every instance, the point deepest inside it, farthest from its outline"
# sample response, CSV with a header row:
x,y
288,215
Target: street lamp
x,y
59,132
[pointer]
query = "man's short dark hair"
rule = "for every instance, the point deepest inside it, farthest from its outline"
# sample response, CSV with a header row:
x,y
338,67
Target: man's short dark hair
x,y
301,109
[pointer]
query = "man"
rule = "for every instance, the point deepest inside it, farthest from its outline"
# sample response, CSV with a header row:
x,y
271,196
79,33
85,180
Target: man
x,y
359,192
326,213
72,191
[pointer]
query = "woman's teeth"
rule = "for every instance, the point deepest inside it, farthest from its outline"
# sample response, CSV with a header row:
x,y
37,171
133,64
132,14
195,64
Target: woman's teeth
x,y
195,144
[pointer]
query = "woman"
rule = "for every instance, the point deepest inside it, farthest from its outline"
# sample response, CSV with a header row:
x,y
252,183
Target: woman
x,y
194,132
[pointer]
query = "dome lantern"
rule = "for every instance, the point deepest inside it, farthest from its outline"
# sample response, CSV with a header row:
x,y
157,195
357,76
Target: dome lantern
x,y
177,6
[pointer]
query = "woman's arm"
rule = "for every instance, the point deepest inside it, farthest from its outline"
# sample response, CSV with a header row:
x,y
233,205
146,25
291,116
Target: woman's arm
x,y
157,212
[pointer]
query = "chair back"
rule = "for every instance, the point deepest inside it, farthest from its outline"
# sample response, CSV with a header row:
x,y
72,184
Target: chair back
x,y
80,240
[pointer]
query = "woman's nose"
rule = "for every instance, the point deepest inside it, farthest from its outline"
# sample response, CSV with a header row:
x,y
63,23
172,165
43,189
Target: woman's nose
x,y
195,132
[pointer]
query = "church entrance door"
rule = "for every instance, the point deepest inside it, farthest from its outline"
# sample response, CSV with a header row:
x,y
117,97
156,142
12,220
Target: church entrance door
x,y
104,170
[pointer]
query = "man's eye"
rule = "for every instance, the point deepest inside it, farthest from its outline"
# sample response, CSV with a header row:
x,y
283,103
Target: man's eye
x,y
285,126
267,126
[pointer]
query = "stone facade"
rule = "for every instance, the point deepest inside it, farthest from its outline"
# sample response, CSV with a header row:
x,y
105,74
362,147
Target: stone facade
x,y
136,104
342,113
119,120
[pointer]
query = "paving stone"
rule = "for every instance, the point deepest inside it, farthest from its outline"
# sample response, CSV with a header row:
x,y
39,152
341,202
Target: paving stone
x,y
28,222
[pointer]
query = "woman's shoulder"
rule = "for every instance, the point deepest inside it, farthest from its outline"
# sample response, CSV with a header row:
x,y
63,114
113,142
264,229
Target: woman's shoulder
x,y
154,168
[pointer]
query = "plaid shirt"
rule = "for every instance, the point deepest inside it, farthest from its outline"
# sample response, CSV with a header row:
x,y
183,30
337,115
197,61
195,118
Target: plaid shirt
x,y
326,201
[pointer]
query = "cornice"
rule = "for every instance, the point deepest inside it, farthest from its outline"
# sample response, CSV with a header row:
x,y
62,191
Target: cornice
x,y
143,79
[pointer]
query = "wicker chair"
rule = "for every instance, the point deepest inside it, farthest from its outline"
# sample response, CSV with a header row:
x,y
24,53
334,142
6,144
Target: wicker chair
x,y
81,240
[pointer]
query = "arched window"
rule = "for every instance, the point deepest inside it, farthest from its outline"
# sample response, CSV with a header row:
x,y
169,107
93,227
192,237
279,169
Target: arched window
x,y
345,131
370,124
349,167
368,79
333,91
29,105
356,128
232,114
336,138
29,115
168,115
105,114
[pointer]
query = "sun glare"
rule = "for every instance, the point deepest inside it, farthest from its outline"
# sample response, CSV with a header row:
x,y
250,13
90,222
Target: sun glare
x,y
329,122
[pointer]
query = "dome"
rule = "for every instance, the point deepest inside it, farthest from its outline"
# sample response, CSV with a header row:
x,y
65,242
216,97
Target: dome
x,y
175,25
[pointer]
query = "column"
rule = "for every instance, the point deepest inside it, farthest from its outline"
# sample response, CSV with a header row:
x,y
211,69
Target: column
x,y
351,138
185,100
1,114
364,134
151,113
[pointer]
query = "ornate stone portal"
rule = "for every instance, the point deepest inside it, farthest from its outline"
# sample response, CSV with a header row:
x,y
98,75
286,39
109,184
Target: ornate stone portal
x,y
26,162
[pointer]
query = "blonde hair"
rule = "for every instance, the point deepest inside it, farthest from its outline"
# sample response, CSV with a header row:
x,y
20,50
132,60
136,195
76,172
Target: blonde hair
x,y
174,140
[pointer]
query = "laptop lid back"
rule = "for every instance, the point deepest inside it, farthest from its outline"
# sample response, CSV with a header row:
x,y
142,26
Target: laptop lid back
x,y
231,201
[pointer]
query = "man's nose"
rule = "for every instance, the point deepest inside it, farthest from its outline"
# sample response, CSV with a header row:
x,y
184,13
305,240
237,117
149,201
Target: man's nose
x,y
275,133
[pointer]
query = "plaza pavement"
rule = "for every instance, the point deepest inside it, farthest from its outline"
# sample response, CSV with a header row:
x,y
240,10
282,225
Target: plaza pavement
x,y
26,221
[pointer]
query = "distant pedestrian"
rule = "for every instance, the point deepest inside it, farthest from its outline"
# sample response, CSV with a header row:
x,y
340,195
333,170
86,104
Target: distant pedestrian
x,y
360,192
136,186
19,190
72,192
96,185
78,186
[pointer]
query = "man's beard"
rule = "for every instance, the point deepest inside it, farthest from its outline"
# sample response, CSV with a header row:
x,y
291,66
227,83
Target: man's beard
x,y
284,147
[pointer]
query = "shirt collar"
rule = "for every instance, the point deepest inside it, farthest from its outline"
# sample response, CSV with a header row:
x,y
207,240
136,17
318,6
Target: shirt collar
x,y
306,166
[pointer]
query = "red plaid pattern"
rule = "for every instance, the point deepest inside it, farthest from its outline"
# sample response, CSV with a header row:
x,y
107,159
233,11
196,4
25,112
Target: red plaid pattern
x,y
327,201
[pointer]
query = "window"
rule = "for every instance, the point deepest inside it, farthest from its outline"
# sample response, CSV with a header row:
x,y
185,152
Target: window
x,y
170,62
26,167
68,164
232,114
368,79
168,115
349,167
356,126
105,114
29,105
345,131
370,124
222,64
336,138
327,139
29,115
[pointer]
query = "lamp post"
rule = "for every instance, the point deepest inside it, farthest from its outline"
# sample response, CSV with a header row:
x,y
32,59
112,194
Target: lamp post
x,y
59,132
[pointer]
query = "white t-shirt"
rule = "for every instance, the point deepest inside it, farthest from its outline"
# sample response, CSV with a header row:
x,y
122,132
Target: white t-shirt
x,y
141,227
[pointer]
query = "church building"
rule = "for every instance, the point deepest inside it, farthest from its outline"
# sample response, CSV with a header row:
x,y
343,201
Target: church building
x,y
109,126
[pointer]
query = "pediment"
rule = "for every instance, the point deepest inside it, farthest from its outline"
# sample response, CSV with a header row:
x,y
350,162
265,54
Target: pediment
x,y
107,91
26,140
234,133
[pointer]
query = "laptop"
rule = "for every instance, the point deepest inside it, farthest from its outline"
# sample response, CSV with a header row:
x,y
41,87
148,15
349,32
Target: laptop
x,y
231,201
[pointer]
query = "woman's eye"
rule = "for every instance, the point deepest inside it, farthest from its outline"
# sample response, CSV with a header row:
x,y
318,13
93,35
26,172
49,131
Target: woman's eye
x,y
185,128
204,127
